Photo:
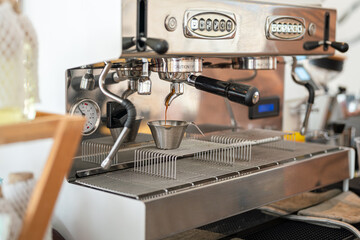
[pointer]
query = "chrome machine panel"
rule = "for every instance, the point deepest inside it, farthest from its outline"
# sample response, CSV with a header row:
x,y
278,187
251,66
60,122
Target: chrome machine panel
x,y
249,34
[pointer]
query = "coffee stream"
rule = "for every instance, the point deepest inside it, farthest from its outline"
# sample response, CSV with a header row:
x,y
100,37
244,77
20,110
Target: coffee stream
x,y
167,103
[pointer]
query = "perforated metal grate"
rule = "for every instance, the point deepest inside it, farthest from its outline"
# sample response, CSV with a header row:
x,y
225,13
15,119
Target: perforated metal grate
x,y
297,231
189,170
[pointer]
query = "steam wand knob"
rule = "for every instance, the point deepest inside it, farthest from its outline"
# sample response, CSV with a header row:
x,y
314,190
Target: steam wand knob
x,y
160,46
340,46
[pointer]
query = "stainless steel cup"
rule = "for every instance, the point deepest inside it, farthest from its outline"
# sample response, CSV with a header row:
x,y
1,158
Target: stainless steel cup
x,y
115,132
168,136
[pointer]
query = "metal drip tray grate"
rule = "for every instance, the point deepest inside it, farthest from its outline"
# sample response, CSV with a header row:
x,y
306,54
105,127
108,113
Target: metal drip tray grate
x,y
192,172
162,163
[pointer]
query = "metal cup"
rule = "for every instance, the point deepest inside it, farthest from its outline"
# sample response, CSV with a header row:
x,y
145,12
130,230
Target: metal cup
x,y
168,136
115,132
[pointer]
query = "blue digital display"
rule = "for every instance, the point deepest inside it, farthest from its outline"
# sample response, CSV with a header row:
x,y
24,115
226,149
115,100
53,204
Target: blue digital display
x,y
266,108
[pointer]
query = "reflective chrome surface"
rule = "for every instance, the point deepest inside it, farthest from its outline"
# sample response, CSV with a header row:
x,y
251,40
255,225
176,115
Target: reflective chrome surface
x,y
250,32
176,90
192,105
168,135
132,69
87,81
183,203
209,24
244,186
176,65
255,63
226,198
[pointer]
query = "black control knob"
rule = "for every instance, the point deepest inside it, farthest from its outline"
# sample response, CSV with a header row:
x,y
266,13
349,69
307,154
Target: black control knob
x,y
311,45
128,42
160,46
340,46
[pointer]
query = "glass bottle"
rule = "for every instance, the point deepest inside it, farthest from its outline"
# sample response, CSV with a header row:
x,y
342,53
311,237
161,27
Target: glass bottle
x,y
30,62
11,66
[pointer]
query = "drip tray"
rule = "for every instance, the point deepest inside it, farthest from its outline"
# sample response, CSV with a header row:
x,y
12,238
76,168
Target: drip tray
x,y
192,173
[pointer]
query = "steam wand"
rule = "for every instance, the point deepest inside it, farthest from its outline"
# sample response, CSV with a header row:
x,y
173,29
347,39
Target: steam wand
x,y
311,98
131,114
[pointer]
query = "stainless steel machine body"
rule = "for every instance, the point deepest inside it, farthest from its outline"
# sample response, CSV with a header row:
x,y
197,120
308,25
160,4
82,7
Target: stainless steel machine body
x,y
234,41
251,33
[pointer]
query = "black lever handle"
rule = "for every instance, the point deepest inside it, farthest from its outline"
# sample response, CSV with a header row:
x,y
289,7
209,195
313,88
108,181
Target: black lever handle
x,y
311,45
128,42
236,92
160,46
340,46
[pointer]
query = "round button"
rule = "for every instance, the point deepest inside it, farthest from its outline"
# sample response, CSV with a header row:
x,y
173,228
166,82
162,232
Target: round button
x,y
222,25
216,25
202,24
312,29
208,24
229,25
170,23
194,24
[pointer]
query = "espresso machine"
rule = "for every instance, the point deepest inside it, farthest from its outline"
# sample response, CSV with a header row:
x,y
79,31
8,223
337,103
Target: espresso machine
x,y
220,65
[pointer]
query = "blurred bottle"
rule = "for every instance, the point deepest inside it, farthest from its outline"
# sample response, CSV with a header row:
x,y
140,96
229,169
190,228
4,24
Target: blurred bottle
x,y
30,63
18,65
11,66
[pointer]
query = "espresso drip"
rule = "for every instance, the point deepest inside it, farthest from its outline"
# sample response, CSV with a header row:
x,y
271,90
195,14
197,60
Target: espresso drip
x,y
167,103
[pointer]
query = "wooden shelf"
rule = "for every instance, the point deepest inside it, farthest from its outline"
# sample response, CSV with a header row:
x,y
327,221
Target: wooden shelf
x,y
66,132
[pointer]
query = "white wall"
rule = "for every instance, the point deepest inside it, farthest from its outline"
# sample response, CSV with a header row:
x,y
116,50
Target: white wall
x,y
66,41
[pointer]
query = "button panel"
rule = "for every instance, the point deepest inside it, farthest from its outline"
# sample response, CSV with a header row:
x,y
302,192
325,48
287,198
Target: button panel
x,y
285,28
209,25
222,25
194,24
216,25
202,24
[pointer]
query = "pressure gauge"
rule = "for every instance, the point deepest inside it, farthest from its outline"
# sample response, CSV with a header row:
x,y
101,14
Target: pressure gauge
x,y
89,109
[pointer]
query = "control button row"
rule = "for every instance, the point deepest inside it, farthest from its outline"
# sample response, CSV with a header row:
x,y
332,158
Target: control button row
x,y
210,25
286,28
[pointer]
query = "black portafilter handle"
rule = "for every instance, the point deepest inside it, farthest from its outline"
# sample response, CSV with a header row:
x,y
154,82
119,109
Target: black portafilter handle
x,y
340,46
236,92
160,46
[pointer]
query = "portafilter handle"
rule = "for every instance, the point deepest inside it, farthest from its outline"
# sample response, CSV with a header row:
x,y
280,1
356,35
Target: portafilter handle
x,y
236,92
